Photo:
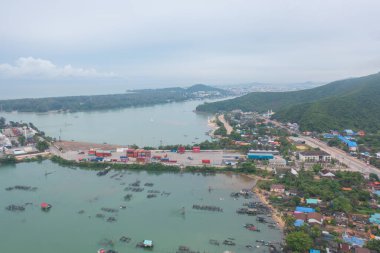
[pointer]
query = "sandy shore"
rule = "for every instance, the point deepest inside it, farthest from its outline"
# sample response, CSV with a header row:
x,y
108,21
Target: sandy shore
x,y
275,214
212,124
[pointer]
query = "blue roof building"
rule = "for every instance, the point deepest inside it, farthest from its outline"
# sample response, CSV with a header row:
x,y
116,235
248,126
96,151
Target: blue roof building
x,y
375,218
314,251
299,223
260,156
350,144
328,136
353,240
302,209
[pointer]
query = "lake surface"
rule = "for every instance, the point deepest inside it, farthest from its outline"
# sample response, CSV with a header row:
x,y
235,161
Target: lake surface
x,y
174,123
63,229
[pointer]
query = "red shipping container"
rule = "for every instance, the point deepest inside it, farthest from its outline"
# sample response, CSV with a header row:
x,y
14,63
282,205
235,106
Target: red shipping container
x,y
206,161
196,149
181,150
130,152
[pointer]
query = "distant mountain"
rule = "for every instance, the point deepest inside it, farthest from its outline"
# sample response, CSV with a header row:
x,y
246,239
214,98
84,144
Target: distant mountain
x,y
143,97
205,88
351,103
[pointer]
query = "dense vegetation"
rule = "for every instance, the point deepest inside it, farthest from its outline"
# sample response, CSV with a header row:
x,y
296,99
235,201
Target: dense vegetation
x,y
352,103
329,191
98,102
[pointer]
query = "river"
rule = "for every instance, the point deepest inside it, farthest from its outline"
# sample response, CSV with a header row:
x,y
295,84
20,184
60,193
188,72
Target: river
x,y
64,229
172,123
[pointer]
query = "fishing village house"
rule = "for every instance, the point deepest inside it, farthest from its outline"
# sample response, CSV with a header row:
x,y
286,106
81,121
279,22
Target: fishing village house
x,y
314,218
326,173
277,188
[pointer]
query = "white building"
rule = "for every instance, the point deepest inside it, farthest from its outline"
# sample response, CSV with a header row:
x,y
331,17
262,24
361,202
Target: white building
x,y
314,156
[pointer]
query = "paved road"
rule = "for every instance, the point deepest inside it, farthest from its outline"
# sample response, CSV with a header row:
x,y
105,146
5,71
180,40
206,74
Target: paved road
x,y
353,163
338,154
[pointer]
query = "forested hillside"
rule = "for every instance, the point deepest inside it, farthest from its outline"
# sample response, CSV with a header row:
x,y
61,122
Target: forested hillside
x,y
359,109
99,102
351,103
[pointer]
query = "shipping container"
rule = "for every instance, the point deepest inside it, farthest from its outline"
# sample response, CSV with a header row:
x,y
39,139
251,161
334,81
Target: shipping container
x,y
181,150
130,153
103,153
196,149
206,161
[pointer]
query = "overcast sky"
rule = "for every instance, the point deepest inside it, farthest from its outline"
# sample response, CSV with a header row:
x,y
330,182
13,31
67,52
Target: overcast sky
x,y
173,42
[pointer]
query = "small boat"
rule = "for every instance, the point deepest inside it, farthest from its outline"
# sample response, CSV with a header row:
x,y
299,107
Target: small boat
x,y
102,251
45,206
229,243
145,244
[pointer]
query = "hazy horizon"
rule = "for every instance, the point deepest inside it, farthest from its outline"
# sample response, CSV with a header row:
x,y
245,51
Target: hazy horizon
x,y
151,44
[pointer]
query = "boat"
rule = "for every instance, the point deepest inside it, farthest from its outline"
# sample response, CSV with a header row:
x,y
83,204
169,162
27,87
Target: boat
x,y
45,206
102,251
145,244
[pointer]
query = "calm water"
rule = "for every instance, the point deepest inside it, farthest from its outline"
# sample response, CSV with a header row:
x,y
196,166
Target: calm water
x,y
174,123
64,230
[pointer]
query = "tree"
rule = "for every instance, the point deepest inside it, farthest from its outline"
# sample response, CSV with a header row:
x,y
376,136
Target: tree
x,y
342,204
21,140
295,201
373,177
317,168
298,241
333,142
373,245
42,145
2,122
315,232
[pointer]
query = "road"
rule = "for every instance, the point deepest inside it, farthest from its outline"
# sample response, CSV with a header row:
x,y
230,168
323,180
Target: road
x,y
226,125
352,163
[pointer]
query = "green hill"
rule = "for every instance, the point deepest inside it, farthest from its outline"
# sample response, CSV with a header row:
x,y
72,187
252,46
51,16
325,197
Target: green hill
x,y
142,97
351,103
206,88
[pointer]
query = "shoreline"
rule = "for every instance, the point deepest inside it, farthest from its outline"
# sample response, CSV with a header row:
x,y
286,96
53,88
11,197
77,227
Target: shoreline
x,y
211,123
167,169
274,214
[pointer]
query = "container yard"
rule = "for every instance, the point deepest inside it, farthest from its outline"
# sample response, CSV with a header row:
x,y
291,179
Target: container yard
x,y
179,157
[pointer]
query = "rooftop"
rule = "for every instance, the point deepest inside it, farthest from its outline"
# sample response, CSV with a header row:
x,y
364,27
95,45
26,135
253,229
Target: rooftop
x,y
314,153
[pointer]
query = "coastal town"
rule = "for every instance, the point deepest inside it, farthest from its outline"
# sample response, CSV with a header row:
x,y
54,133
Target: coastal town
x,y
323,198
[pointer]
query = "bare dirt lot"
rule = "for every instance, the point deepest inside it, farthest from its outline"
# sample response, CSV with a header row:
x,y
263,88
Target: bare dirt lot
x,y
79,146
